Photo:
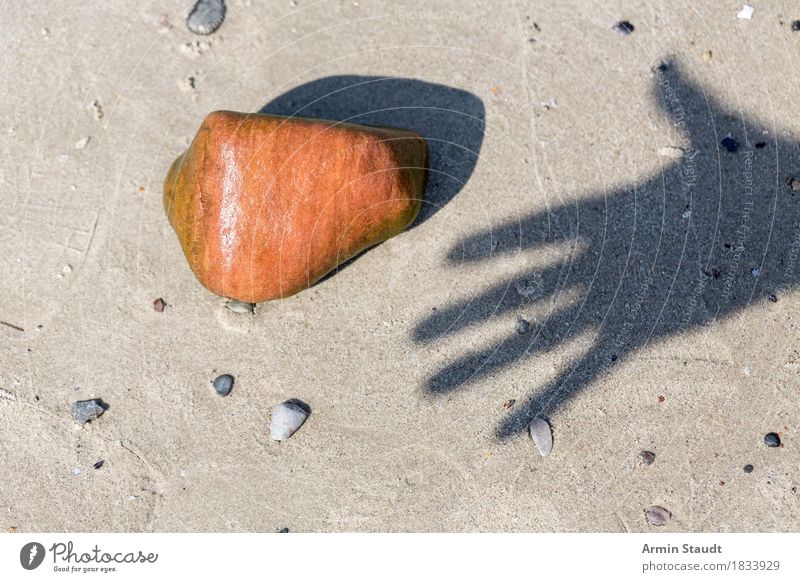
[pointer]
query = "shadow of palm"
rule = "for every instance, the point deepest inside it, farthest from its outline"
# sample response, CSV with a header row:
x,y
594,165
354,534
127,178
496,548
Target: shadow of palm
x,y
713,232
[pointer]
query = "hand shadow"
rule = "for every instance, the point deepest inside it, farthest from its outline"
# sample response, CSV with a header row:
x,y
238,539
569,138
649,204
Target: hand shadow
x,y
451,121
714,231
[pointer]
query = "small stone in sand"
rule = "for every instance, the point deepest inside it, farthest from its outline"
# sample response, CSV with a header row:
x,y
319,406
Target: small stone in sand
x,y
159,305
82,143
509,403
772,297
771,439
657,515
240,306
85,410
706,56
98,464
748,468
796,25
746,13
541,435
223,384
523,326
206,16
623,27
287,417
794,183
647,457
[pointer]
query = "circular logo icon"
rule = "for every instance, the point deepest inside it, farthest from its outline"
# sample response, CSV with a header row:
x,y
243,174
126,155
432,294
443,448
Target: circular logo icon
x,y
31,555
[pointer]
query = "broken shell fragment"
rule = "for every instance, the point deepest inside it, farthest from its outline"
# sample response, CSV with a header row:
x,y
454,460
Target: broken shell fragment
x,y
265,206
542,435
287,417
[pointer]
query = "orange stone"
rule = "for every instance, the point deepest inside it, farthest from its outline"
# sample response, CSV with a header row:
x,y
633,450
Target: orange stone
x,y
265,206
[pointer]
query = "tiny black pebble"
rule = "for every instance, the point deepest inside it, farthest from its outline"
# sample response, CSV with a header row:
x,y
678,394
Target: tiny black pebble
x,y
623,27
284,530
730,144
761,145
523,326
223,384
771,439
748,468
796,25
772,297
98,464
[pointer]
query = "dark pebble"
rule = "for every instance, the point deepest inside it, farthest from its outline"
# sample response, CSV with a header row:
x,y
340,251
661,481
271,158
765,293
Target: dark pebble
x,y
85,410
748,468
159,304
283,530
223,384
771,439
523,326
730,144
623,27
206,16
98,464
509,403
796,25
761,145
647,457
772,297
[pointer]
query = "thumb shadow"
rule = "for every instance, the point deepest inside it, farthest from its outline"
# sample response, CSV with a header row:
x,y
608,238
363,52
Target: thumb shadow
x,y
451,121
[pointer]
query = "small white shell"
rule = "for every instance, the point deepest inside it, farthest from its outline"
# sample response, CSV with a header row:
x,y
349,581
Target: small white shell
x,y
239,306
287,417
542,435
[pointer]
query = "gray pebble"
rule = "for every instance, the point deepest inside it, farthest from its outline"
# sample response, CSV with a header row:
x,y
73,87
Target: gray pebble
x,y
223,384
623,27
240,306
85,410
206,16
647,457
523,326
287,417
542,435
771,439
657,515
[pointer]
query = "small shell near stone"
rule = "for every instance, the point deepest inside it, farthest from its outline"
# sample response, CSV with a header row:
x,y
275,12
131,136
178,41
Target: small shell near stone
x,y
240,306
287,417
542,435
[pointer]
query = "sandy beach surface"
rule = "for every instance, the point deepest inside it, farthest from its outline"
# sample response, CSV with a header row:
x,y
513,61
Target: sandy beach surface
x,y
629,196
